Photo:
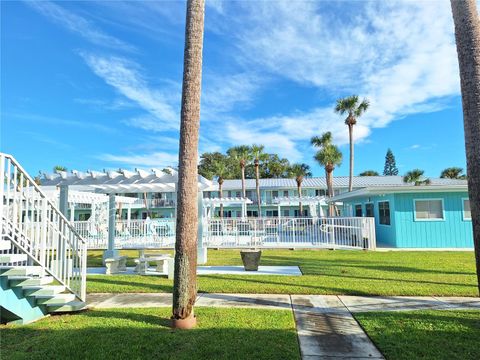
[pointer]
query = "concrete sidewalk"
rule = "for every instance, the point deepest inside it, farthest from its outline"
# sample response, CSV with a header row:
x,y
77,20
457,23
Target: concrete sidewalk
x,y
279,301
326,328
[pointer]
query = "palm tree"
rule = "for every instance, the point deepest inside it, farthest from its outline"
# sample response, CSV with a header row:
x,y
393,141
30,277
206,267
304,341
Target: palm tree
x,y
369,173
328,156
243,155
467,35
300,171
258,155
452,173
59,168
416,177
185,281
354,108
222,172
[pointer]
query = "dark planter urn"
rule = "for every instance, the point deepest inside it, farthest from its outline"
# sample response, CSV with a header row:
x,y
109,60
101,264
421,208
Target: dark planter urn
x,y
251,259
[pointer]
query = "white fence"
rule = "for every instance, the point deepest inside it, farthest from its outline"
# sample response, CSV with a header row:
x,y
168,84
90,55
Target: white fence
x,y
157,233
332,232
272,232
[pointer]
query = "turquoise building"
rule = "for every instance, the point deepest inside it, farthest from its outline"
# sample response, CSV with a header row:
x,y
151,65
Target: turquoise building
x,y
406,216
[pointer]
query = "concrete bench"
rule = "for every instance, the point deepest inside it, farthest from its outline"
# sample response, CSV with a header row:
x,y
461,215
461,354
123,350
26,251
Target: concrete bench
x,y
164,264
115,265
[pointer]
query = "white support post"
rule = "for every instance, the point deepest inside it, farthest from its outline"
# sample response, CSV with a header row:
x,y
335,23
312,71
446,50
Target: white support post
x,y
202,251
72,212
2,176
43,239
111,252
129,215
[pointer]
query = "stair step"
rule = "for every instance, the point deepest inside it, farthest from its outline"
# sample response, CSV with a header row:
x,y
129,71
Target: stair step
x,y
28,280
20,270
5,244
12,258
58,299
70,306
34,290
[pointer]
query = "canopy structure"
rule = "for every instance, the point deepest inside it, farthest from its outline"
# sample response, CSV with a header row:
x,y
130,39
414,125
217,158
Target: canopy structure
x,y
209,205
315,203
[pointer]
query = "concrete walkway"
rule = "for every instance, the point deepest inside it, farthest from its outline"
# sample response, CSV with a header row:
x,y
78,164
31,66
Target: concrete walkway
x,y
326,327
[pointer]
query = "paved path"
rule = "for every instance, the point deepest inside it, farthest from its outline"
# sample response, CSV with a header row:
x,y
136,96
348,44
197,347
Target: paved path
x,y
326,327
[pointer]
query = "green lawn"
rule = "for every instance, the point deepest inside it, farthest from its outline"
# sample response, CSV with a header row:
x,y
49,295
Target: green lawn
x,y
433,334
145,334
324,272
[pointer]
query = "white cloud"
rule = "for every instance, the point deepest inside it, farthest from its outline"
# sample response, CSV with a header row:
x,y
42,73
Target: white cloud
x,y
156,159
401,55
78,24
126,77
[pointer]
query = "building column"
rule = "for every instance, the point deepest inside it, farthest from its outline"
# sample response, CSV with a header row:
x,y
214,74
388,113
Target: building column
x,y
72,212
111,252
129,215
202,251
63,201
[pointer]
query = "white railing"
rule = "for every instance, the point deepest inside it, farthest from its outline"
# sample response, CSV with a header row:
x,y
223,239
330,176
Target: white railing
x,y
38,229
155,233
272,232
153,203
334,232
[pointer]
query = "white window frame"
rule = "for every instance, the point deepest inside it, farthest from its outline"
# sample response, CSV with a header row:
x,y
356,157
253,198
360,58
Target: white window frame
x,y
389,209
428,199
355,209
463,210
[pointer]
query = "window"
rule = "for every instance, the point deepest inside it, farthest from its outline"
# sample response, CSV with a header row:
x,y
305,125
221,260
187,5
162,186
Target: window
x,y
384,212
431,209
358,210
271,213
369,212
286,213
252,213
285,193
274,194
320,192
467,212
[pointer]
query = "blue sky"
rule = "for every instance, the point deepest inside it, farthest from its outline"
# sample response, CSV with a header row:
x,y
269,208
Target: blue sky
x,y
97,85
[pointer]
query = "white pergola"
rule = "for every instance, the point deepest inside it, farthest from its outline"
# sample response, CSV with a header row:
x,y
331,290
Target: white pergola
x,y
209,205
313,203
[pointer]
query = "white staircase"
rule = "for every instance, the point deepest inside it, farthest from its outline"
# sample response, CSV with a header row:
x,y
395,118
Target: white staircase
x,y
42,257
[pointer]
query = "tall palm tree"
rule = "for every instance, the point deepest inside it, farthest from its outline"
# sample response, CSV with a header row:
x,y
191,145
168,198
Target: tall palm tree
x,y
352,106
467,35
258,155
416,177
243,155
328,156
452,173
222,171
300,171
185,281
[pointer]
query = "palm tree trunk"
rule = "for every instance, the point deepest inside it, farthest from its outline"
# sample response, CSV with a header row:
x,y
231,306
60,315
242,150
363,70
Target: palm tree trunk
x,y
350,135
244,194
220,192
299,188
329,173
467,35
185,281
257,185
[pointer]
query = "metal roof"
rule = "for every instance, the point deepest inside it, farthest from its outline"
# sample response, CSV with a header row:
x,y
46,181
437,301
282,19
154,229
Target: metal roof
x,y
320,182
434,186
